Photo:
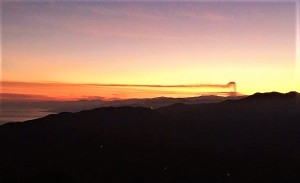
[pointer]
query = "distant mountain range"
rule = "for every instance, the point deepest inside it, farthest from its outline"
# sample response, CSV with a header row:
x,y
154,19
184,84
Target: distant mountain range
x,y
18,107
253,139
76,106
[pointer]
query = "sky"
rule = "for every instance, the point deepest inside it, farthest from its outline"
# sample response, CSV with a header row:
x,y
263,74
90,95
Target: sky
x,y
72,50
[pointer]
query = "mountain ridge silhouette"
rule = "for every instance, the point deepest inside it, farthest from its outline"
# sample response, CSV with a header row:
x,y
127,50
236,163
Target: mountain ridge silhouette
x,y
254,139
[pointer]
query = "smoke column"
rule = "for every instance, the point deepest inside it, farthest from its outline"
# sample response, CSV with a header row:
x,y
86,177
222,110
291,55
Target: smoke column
x,y
233,85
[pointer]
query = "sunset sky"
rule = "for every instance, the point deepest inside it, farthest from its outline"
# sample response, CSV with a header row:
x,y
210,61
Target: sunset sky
x,y
62,50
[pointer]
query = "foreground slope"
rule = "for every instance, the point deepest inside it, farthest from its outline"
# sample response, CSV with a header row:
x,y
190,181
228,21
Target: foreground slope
x,y
254,139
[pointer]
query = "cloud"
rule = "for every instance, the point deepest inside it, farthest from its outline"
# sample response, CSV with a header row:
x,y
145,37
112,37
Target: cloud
x,y
212,16
123,20
169,86
206,16
130,10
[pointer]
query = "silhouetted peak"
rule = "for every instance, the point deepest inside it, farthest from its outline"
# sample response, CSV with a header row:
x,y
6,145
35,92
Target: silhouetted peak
x,y
272,96
293,94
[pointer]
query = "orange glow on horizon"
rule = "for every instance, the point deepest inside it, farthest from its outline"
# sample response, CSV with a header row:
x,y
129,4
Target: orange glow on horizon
x,y
68,91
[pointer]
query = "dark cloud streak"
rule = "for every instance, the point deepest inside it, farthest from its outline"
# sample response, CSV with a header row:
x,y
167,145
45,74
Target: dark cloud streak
x,y
231,84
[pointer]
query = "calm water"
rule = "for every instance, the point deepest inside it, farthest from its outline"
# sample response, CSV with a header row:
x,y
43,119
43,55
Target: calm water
x,y
20,115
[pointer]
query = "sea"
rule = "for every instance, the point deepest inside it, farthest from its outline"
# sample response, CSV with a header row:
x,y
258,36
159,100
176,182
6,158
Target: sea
x,y
21,114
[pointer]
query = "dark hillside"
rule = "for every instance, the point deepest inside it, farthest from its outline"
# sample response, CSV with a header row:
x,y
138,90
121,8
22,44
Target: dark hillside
x,y
255,139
